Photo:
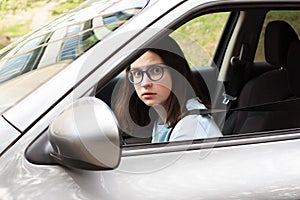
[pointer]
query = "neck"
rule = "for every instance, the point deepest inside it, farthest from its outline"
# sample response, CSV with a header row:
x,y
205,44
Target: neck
x,y
161,111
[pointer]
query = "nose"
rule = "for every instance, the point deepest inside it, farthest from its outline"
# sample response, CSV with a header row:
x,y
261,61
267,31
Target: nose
x,y
146,82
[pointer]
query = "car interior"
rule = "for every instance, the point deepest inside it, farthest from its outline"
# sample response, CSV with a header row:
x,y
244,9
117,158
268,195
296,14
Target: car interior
x,y
260,96
278,36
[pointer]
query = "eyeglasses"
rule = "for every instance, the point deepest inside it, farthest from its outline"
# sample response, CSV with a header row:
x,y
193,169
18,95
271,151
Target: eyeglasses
x,y
154,72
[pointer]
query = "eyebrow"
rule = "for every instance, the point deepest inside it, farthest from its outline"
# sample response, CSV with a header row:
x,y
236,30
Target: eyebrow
x,y
141,66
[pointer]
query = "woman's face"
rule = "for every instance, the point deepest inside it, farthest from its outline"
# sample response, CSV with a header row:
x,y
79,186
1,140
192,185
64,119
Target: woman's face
x,y
149,91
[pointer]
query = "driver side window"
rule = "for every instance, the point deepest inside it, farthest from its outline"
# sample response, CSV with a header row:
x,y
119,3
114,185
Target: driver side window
x,y
160,94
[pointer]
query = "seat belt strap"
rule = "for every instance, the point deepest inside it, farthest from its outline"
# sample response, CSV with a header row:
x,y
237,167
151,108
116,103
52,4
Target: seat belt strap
x,y
289,104
238,64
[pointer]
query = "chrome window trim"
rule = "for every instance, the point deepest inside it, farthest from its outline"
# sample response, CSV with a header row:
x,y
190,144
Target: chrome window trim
x,y
201,144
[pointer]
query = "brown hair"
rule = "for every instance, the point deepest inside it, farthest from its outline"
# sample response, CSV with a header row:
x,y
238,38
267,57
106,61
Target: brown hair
x,y
132,113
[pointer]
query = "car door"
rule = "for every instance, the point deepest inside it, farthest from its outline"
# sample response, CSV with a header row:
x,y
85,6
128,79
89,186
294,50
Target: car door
x,y
248,166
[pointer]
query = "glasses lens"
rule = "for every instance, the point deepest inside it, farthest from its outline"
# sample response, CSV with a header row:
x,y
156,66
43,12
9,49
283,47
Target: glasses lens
x,y
156,72
135,76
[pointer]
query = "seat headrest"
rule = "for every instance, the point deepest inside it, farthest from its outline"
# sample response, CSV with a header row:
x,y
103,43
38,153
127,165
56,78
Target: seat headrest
x,y
278,37
293,67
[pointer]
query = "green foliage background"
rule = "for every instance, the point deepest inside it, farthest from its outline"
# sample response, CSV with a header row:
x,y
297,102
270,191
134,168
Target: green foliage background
x,y
17,5
15,14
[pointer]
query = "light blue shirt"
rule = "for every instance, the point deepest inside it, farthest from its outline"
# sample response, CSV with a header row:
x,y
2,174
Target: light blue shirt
x,y
188,128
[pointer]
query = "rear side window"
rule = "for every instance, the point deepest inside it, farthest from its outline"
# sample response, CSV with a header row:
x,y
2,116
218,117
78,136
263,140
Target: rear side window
x,y
291,17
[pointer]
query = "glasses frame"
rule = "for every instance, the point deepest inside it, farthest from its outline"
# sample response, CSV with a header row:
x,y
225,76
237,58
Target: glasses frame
x,y
162,66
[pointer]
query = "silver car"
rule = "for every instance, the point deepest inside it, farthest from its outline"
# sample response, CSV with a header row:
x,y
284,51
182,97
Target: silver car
x,y
60,138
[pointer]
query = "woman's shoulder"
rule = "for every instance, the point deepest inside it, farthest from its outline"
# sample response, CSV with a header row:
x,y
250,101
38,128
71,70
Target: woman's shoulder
x,y
191,117
194,103
195,126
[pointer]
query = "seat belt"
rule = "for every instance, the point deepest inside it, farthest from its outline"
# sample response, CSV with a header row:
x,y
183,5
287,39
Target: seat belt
x,y
289,104
238,64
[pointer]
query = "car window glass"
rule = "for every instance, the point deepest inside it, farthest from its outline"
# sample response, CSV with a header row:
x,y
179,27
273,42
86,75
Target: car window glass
x,y
272,81
291,17
236,122
59,43
198,39
28,53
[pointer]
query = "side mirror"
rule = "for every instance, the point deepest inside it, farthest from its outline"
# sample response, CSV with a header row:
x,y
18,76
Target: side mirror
x,y
86,136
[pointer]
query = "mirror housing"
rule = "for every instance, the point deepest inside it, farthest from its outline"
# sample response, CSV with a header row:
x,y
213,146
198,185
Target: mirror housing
x,y
86,136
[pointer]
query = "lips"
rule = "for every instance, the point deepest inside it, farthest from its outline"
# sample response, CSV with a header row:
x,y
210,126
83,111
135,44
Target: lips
x,y
147,95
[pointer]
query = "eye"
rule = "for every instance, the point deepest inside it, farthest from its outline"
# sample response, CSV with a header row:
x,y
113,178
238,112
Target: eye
x,y
136,73
156,70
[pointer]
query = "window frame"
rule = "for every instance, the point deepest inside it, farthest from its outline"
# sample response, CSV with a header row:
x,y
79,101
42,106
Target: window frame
x,y
225,141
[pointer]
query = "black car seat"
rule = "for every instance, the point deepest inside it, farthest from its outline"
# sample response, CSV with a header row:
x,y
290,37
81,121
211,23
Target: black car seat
x,y
293,68
290,117
268,87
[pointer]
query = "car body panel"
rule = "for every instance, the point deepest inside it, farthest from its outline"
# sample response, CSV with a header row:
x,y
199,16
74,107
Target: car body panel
x,y
202,173
219,173
7,135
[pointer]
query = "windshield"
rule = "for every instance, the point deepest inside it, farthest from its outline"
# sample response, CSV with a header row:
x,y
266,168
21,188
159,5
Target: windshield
x,y
57,44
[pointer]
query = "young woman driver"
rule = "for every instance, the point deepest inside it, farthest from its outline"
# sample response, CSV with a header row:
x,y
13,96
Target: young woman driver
x,y
159,92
